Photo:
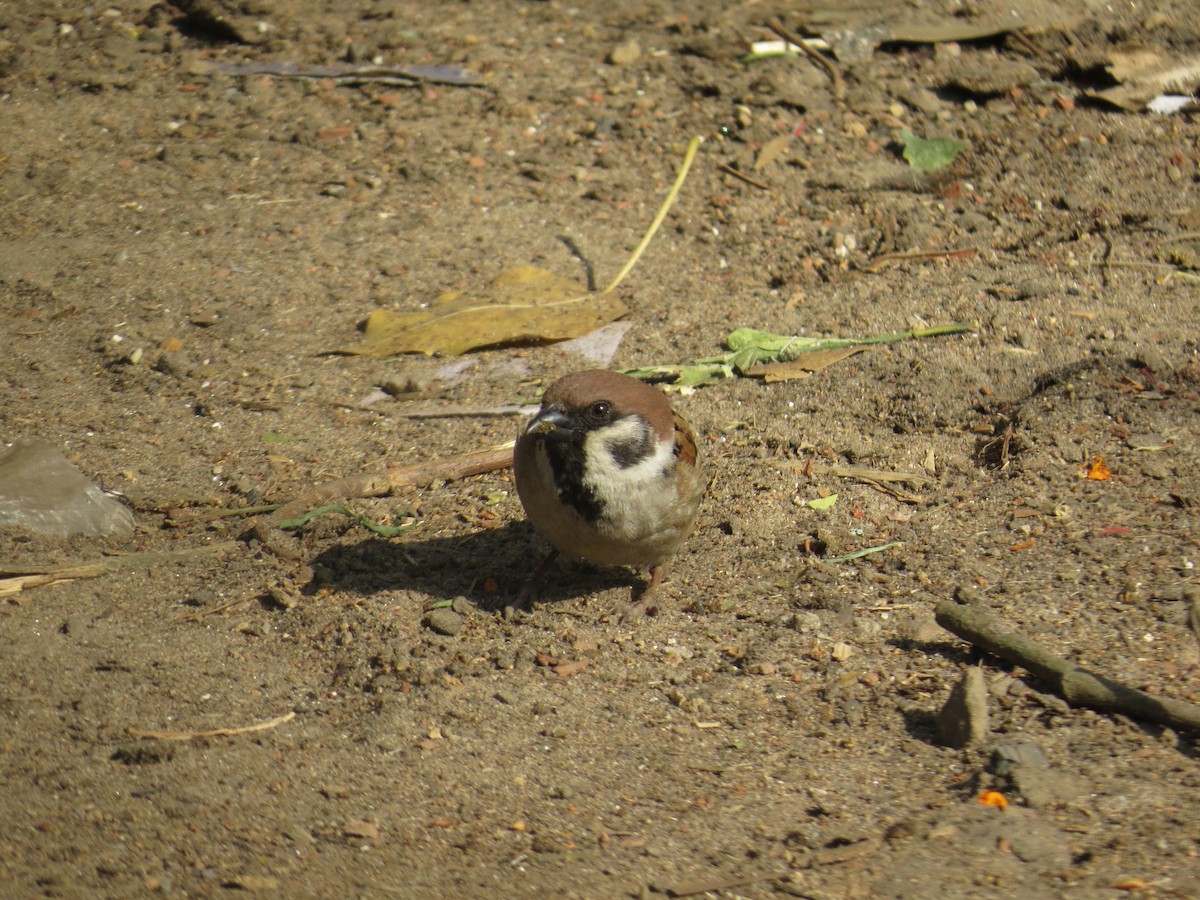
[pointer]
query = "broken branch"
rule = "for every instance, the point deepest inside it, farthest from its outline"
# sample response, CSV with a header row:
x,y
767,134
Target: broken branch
x,y
1076,685
452,469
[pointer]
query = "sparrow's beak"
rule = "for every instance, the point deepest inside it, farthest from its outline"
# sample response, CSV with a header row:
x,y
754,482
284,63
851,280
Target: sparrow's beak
x,y
552,424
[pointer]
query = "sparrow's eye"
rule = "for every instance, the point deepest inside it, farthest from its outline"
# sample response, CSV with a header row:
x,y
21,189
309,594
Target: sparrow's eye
x,y
600,412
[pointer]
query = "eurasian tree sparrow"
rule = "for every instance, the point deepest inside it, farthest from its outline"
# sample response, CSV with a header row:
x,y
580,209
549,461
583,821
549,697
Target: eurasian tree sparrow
x,y
607,471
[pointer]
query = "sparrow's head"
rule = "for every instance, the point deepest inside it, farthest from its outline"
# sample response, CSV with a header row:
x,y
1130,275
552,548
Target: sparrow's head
x,y
603,410
598,436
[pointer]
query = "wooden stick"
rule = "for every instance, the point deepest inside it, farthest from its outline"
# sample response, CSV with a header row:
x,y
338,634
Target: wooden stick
x,y
452,469
730,170
1079,687
826,64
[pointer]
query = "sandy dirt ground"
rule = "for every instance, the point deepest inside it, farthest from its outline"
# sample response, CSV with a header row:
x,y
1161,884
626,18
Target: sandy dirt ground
x,y
182,243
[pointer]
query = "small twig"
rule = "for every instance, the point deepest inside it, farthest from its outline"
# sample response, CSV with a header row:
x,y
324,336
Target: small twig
x,y
216,732
866,551
730,170
892,491
451,469
179,518
588,271
832,856
1194,617
688,156
1031,49
711,884
363,521
18,583
1079,687
1107,260
825,63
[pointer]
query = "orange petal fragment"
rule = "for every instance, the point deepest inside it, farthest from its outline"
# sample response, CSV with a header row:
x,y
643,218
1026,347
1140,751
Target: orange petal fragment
x,y
993,798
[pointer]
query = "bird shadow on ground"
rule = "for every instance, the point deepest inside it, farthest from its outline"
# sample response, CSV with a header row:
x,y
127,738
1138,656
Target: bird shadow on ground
x,y
488,567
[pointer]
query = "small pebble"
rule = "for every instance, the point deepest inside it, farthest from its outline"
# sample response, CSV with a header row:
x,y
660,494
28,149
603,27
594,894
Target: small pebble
x,y
625,53
445,621
806,621
205,318
867,629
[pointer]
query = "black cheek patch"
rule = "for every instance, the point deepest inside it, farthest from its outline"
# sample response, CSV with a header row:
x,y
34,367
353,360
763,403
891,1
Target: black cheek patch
x,y
632,451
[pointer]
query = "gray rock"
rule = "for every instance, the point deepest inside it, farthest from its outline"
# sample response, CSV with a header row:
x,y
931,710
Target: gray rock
x,y
1042,786
1011,754
41,490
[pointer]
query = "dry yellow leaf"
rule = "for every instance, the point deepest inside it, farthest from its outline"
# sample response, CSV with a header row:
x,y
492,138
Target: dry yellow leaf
x,y
524,304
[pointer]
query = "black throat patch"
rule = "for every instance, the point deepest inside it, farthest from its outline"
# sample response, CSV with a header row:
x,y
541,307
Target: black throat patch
x,y
566,459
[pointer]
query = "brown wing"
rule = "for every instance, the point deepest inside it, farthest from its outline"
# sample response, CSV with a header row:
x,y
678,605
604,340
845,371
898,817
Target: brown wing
x,y
685,441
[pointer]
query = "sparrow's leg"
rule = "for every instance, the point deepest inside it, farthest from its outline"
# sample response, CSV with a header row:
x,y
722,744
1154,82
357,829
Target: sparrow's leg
x,y
648,601
529,589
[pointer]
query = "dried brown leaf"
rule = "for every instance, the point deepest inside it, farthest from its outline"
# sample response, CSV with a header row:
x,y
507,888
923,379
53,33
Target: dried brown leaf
x,y
772,150
802,366
1146,72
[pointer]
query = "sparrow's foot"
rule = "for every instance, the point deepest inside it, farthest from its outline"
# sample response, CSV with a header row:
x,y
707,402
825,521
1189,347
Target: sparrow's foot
x,y
530,588
647,602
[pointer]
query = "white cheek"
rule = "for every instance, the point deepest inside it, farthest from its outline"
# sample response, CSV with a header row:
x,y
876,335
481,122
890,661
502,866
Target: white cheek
x,y
606,476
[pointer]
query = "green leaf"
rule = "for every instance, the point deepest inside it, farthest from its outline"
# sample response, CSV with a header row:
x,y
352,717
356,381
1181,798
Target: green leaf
x,y
749,347
929,155
823,502
696,375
